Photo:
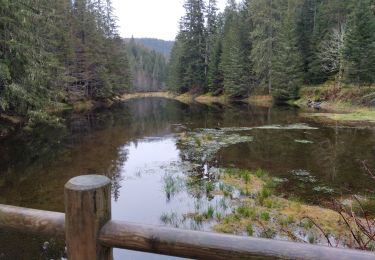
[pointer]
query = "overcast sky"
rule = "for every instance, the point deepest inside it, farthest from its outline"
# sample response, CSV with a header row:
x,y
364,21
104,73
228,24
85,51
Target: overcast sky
x,y
150,18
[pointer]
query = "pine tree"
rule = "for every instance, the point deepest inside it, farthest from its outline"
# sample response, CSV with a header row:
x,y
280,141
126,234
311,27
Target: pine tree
x,y
359,45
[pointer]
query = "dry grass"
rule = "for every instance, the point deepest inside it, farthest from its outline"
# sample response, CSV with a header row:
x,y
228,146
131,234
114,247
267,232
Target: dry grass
x,y
146,94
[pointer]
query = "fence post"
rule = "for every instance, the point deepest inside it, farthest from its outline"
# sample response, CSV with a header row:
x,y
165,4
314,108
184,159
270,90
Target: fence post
x,y
87,210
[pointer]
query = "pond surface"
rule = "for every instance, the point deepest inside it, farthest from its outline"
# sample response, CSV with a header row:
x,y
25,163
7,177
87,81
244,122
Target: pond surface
x,y
155,180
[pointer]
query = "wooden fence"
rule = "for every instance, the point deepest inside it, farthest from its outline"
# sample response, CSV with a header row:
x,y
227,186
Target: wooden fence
x,y
90,233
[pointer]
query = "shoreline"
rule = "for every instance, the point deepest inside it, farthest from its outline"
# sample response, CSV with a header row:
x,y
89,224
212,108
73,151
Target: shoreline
x,y
344,104
208,99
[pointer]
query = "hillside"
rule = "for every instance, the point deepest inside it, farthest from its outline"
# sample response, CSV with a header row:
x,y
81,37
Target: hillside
x,y
149,67
161,46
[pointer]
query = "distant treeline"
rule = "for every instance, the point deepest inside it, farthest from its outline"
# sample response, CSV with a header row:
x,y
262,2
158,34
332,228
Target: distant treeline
x,y
160,46
59,51
149,68
273,46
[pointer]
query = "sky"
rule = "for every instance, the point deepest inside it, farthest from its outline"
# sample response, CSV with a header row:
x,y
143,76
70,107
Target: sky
x,y
150,18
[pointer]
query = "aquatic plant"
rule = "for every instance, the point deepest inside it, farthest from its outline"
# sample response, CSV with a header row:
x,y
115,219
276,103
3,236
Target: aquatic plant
x,y
303,141
246,212
202,146
304,176
299,126
209,214
265,216
172,185
250,230
323,189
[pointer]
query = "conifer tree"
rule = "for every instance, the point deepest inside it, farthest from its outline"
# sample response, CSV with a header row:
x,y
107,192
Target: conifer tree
x,y
359,45
287,60
266,18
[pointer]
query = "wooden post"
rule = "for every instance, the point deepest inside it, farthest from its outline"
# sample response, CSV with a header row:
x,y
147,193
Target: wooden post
x,y
87,210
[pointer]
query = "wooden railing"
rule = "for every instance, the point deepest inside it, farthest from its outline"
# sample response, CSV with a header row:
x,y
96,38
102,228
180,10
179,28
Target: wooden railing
x,y
90,233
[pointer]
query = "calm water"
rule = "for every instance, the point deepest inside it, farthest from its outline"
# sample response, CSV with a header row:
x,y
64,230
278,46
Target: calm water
x,y
134,143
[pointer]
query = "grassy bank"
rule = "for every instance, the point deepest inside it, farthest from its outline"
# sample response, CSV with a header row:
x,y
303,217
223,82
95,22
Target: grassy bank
x,y
344,103
208,98
262,212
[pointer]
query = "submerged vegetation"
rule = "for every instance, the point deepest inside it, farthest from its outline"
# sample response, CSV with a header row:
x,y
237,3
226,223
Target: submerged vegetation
x,y
254,203
203,145
261,212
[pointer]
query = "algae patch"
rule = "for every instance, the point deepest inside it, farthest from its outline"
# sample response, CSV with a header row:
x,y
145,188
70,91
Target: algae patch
x,y
202,146
299,126
303,141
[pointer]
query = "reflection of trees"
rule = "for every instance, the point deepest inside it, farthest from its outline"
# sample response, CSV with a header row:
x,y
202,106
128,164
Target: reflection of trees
x,y
332,158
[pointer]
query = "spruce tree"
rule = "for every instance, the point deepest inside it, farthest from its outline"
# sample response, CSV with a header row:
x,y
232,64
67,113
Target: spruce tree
x,y
287,60
266,17
359,45
194,45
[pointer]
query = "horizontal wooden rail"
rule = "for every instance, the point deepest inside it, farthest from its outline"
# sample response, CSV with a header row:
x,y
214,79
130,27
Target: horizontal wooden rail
x,y
206,245
91,234
32,221
174,242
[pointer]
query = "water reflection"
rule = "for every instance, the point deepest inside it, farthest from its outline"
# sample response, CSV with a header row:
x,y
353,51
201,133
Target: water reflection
x,y
134,143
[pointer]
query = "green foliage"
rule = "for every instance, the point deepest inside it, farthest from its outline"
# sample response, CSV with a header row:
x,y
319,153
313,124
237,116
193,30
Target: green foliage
x,y
189,54
149,68
56,51
250,230
235,57
273,46
265,216
359,44
287,59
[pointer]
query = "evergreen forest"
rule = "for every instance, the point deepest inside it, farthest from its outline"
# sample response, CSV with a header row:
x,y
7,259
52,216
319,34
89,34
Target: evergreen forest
x,y
54,53
148,66
58,52
273,46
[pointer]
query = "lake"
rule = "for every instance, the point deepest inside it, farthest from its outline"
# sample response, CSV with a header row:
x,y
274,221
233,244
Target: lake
x,y
158,179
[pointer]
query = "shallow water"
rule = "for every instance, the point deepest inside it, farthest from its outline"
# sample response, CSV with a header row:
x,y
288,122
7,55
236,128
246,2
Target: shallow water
x,y
135,143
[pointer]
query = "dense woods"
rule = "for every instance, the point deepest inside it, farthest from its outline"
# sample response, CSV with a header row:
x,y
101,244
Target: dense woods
x,y
54,52
256,46
148,67
159,46
273,46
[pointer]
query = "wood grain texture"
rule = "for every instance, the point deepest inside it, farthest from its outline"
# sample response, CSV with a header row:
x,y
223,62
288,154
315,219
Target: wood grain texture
x,y
204,245
32,221
87,209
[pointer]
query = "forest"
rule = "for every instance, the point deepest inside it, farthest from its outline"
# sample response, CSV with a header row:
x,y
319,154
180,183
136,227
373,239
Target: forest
x,y
58,52
148,64
255,46
273,46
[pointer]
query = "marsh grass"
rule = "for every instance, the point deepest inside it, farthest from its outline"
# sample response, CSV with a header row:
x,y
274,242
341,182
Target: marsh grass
x,y
264,214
